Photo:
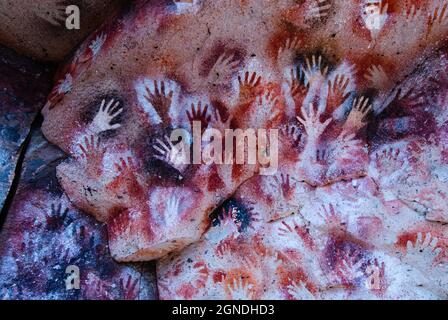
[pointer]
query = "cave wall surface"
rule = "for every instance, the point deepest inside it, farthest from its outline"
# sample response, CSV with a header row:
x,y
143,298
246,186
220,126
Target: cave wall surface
x,y
37,29
355,209
44,236
24,88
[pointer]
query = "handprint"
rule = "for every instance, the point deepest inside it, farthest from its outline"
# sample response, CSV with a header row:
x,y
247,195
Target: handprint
x,y
55,219
292,134
388,161
101,292
130,289
172,211
315,70
438,19
119,225
106,115
409,26
97,289
441,102
299,291
52,11
202,274
227,219
286,53
160,98
412,14
311,122
91,150
62,87
346,141
96,44
332,219
322,156
267,100
248,86
174,155
29,253
229,249
223,69
410,96
199,114
337,91
264,110
65,85
350,269
314,160
285,185
241,289
218,122
84,238
227,216
307,12
360,110
297,87
286,229
224,248
228,229
62,254
375,16
376,273
267,103
387,156
316,9
424,252
246,219
249,81
343,145
377,77
93,49
125,165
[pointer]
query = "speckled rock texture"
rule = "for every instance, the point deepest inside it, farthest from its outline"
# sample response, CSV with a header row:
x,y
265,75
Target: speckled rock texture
x,y
37,29
44,234
24,85
357,91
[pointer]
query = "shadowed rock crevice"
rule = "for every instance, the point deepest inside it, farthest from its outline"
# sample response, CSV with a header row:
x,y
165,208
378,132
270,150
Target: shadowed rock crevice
x,y
18,170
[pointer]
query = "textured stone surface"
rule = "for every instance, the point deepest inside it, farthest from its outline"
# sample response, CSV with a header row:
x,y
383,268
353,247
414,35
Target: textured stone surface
x,y
357,90
343,241
37,28
23,88
44,234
